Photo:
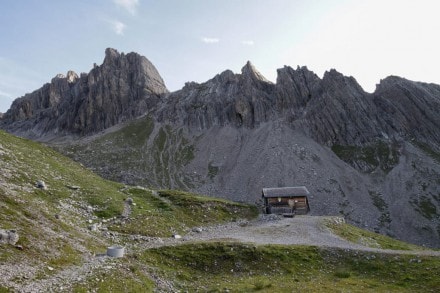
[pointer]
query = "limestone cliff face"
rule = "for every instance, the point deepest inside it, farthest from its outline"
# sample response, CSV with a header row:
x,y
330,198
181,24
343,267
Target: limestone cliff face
x,y
294,89
122,88
334,110
242,100
410,109
340,112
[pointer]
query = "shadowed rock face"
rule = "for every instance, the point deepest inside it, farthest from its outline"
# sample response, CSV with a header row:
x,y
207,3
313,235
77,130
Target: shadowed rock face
x,y
122,88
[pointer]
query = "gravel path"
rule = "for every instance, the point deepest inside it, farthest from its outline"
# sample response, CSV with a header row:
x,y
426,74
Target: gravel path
x,y
300,230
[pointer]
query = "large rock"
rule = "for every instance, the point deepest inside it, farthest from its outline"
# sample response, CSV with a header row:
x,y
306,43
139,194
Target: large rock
x,y
122,88
8,236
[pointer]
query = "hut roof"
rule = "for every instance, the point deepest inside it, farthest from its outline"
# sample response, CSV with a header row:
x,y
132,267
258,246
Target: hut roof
x,y
285,191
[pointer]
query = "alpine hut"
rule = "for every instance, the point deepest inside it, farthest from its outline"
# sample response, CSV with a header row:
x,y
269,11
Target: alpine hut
x,y
286,200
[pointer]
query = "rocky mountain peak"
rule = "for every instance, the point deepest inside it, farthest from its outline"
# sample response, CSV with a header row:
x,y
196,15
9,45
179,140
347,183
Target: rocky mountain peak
x,y
295,88
391,82
332,110
335,80
111,55
71,76
224,77
122,88
249,71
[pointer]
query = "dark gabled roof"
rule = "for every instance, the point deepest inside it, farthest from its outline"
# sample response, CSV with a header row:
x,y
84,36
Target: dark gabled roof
x,y
285,191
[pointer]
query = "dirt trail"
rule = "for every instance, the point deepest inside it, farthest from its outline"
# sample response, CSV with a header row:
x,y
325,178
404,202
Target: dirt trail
x,y
300,230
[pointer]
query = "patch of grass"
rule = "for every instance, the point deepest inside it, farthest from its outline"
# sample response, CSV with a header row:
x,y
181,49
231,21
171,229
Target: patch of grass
x,y
425,207
262,284
214,267
160,140
342,273
367,238
378,201
4,289
212,171
382,206
428,150
126,278
67,256
135,133
31,211
177,211
370,157
139,153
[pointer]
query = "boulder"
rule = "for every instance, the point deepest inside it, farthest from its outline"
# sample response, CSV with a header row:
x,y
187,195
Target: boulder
x,y
9,236
40,184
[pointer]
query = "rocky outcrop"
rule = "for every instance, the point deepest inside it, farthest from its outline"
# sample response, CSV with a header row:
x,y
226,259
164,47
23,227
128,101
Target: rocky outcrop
x,y
341,112
122,88
333,110
294,89
242,100
410,109
8,236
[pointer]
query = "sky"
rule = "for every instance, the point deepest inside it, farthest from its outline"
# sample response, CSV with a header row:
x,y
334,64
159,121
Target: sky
x,y
193,40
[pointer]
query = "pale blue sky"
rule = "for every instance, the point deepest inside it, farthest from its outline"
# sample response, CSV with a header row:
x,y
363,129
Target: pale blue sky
x,y
192,40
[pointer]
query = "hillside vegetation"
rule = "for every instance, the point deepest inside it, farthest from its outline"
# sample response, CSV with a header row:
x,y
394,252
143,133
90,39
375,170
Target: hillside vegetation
x,y
53,223
57,251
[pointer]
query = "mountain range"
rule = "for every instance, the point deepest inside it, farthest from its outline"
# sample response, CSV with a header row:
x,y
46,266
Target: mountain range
x,y
372,157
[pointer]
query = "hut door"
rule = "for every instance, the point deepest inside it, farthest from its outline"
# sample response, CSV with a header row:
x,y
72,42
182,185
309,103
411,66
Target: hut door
x,y
291,203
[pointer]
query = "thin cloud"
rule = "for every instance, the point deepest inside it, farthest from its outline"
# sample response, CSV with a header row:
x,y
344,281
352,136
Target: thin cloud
x,y
118,27
248,43
129,5
210,40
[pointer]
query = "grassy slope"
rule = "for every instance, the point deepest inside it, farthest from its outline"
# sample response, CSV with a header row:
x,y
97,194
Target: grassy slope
x,y
32,211
140,147
48,241
368,238
204,266
173,211
217,267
